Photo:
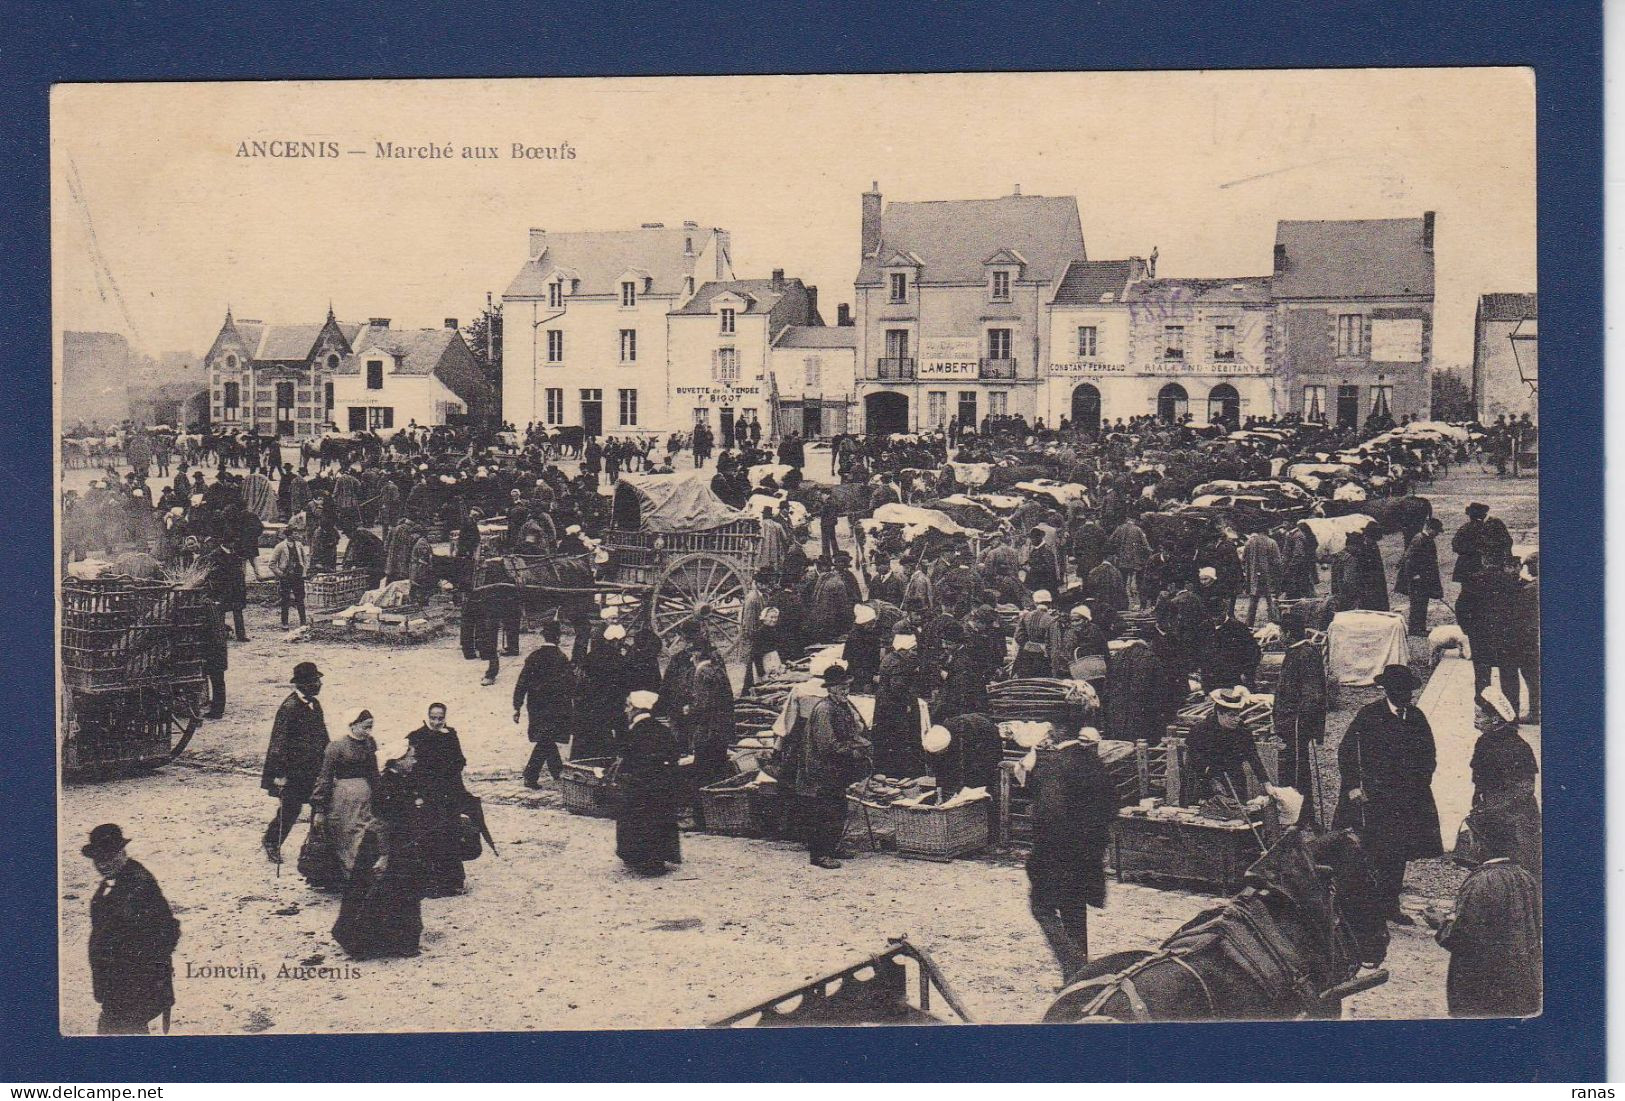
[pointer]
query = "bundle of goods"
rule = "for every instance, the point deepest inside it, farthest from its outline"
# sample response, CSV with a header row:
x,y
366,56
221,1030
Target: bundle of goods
x,y
1066,703
383,615
588,787
747,805
870,822
1258,716
937,828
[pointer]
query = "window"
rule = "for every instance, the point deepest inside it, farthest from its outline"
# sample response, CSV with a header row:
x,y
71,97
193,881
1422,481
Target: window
x,y
897,344
815,371
381,416
1088,341
727,320
1001,286
232,400
967,407
1314,404
555,295
333,362
1350,334
629,345
555,405
936,408
899,286
998,344
629,294
629,408
284,401
231,362
1173,342
998,402
1224,342
375,374
327,396
358,418
726,367
1382,400
702,414
555,345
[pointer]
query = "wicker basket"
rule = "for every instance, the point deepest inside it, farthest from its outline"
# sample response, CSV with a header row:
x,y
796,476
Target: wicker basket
x,y
870,826
123,633
332,591
584,791
738,808
941,833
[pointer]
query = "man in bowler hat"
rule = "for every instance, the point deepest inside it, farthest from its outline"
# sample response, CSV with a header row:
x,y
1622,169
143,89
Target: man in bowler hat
x,y
132,937
294,758
1386,758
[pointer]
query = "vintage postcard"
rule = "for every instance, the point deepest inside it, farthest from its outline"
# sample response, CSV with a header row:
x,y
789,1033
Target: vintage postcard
x,y
544,554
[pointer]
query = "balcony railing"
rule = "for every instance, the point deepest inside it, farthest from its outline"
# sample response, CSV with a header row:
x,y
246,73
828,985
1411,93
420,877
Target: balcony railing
x,y
894,368
999,368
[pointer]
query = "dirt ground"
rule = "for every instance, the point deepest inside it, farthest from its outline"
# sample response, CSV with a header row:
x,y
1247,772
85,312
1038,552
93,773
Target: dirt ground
x,y
553,934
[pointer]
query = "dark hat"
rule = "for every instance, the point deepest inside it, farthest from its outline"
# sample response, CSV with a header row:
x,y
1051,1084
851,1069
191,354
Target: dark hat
x,y
1398,677
836,674
842,558
1478,510
305,672
105,840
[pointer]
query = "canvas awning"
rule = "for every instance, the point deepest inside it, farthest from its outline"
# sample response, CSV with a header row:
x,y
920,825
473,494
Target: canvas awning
x,y
670,502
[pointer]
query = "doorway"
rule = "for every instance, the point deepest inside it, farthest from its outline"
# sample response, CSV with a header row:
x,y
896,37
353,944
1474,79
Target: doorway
x,y
1224,406
1348,406
1172,403
592,413
812,420
967,408
1086,409
885,412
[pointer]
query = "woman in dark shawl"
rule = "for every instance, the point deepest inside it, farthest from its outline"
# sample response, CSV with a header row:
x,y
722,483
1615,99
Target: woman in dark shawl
x,y
382,911
646,836
439,776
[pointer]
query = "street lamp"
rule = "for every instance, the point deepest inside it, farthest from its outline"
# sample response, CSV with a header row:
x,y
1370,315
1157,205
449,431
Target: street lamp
x,y
1525,339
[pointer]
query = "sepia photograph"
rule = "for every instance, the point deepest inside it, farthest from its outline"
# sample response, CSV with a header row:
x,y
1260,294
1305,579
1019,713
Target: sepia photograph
x,y
753,551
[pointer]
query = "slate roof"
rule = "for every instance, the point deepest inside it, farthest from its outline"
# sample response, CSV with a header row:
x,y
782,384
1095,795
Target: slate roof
x,y
1087,282
759,295
599,259
414,351
818,336
1244,289
953,237
1372,258
1507,307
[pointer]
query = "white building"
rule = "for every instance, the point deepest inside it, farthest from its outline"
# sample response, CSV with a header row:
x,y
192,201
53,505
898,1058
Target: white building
x,y
718,346
812,375
397,377
1088,375
1500,363
584,324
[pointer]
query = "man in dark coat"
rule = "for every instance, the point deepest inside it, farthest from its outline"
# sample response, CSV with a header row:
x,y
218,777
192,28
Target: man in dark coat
x,y
215,657
964,680
363,551
1087,546
1299,569
133,934
1386,758
1232,655
1418,575
1135,695
294,758
1494,937
546,685
1074,804
711,718
1521,657
1485,611
646,837
896,731
1300,710
1480,540
836,752
862,650
1043,572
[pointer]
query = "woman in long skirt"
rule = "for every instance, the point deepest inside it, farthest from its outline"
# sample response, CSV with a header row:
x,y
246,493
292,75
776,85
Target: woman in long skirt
x,y
341,802
439,775
646,815
382,911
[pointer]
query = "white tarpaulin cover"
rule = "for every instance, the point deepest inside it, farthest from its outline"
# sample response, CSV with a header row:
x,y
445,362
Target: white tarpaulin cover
x,y
771,502
1360,643
971,474
913,516
1349,491
762,470
676,502
1060,492
1332,532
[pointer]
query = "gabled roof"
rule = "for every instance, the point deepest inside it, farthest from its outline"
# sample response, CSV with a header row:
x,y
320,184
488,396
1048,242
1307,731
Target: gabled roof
x,y
1507,306
1371,258
817,336
1244,289
900,258
1088,282
411,351
953,237
1006,256
599,259
758,294
282,343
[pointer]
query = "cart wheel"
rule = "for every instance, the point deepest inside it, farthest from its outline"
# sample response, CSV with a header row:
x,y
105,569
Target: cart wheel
x,y
183,717
703,583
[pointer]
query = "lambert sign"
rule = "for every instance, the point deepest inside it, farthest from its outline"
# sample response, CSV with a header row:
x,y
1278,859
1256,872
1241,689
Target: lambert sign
x,y
948,358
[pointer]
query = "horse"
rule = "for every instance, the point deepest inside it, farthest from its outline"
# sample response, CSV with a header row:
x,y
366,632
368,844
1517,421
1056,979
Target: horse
x,y
1288,946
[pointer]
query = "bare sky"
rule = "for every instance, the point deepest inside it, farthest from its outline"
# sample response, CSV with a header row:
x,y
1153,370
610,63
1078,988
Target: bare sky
x,y
157,225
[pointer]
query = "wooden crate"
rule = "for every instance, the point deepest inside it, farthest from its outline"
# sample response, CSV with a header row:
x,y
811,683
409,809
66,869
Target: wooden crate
x,y
1177,788
1207,854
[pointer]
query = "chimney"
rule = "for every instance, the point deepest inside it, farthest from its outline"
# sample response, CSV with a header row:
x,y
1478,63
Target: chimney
x,y
843,314
871,219
813,316
1016,194
724,248
1280,258
538,242
378,322
778,279
1427,231
691,225
654,225
451,323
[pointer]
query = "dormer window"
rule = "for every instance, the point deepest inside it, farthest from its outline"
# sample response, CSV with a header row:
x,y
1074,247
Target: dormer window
x,y
333,362
231,361
555,295
899,286
1001,286
727,313
375,374
629,294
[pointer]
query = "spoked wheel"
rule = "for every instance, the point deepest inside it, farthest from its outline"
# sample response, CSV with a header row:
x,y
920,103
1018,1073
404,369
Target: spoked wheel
x,y
705,585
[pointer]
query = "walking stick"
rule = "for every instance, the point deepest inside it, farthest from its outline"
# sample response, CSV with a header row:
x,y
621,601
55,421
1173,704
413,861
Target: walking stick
x,y
1248,818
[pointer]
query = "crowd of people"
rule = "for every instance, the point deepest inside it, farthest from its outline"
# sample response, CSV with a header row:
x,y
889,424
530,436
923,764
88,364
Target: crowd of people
x,y
1110,585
